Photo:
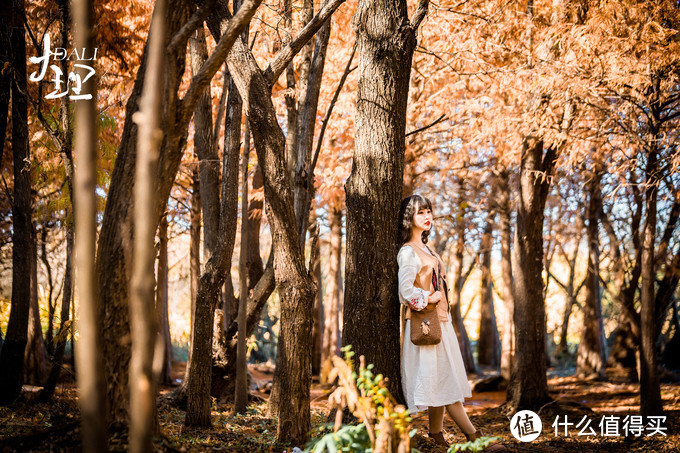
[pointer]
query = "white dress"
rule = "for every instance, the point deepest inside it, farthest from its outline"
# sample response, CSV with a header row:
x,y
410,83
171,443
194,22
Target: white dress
x,y
430,375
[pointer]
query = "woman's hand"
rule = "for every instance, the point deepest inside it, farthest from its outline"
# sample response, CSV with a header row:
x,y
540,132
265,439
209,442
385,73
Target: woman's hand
x,y
434,297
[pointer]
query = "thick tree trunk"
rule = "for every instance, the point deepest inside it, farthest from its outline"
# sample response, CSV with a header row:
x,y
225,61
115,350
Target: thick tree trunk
x,y
162,302
591,359
504,214
12,354
113,251
650,391
385,42
35,355
330,346
529,386
488,344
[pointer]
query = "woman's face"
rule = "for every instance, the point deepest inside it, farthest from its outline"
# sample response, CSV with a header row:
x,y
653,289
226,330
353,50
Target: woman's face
x,y
422,219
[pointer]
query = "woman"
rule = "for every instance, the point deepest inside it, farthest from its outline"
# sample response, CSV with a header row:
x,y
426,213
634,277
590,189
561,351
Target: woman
x,y
433,377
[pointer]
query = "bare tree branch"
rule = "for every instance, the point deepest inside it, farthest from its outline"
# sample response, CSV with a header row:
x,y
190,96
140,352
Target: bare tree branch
x,y
195,21
286,54
419,14
434,123
236,25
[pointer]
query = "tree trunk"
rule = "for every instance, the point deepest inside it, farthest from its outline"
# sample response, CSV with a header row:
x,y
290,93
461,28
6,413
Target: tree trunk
x,y
194,259
504,214
311,74
488,344
626,336
215,272
35,355
65,323
458,281
89,357
529,386
241,393
51,300
650,391
293,283
12,354
318,313
591,359
331,326
115,239
255,208
386,41
162,302
143,313
206,150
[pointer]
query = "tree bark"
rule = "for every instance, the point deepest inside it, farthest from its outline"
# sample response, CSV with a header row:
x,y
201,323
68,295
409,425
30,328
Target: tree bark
x,y
591,358
488,344
529,386
14,344
386,41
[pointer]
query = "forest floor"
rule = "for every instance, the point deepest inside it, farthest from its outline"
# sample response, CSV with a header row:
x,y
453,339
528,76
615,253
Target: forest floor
x,y
52,427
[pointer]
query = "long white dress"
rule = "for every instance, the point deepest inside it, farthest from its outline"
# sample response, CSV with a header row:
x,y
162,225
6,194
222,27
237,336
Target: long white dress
x,y
431,375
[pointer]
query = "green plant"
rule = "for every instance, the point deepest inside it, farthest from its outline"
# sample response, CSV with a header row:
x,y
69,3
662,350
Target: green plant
x,y
478,444
349,438
384,424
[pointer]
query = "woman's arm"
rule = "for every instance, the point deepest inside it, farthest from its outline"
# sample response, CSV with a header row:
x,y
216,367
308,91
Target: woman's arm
x,y
409,265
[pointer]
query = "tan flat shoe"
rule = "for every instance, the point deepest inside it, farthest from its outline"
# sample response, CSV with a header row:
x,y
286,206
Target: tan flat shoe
x,y
438,438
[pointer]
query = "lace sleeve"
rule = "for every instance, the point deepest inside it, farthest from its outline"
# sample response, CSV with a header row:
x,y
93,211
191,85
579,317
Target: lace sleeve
x,y
409,265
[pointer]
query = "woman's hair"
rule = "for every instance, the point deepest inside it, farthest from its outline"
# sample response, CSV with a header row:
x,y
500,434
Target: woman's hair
x,y
409,207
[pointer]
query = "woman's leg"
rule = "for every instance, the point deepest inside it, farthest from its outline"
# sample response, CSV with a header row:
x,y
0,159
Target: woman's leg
x,y
436,416
457,413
